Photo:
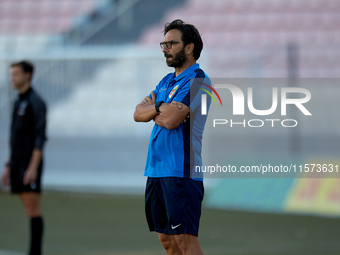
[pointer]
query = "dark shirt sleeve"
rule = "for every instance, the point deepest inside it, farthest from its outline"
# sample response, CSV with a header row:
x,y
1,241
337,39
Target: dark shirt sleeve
x,y
39,112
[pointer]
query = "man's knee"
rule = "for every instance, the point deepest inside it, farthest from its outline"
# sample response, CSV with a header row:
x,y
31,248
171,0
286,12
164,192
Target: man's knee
x,y
31,205
167,241
32,211
186,241
182,242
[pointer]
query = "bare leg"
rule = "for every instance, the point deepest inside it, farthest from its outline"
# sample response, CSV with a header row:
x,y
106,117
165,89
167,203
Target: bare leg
x,y
31,203
169,244
188,244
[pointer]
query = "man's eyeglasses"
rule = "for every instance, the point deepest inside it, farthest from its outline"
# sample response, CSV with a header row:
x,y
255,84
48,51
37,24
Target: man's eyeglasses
x,y
168,44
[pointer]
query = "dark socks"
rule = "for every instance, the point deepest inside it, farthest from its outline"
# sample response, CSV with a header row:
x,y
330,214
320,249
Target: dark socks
x,y
36,235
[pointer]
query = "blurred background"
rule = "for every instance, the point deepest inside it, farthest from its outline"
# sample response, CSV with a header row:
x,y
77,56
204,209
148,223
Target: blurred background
x,y
96,59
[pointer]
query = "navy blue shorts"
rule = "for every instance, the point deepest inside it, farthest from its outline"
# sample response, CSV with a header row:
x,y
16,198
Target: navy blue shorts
x,y
173,205
17,173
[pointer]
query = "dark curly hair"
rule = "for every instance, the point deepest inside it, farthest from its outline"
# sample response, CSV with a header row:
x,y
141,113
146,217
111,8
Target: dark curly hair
x,y
190,34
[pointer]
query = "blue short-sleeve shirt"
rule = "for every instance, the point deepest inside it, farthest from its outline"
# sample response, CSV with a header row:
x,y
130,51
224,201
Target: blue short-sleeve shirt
x,y
172,153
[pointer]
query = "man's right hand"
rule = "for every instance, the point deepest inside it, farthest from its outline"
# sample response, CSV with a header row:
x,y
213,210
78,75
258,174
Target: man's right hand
x,y
5,178
145,110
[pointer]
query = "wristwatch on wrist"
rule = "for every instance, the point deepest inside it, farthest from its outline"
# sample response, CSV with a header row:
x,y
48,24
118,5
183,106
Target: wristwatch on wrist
x,y
157,105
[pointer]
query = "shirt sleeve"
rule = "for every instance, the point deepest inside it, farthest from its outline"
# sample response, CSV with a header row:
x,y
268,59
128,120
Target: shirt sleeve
x,y
160,84
182,94
156,89
190,93
39,112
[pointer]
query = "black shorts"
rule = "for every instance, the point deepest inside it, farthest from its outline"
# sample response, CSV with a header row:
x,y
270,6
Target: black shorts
x,y
173,205
17,175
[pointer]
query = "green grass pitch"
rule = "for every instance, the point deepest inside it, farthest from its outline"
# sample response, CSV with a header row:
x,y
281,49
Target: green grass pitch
x,y
102,224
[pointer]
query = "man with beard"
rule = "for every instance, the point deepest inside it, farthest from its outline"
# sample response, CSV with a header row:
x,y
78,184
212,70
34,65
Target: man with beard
x,y
173,194
28,135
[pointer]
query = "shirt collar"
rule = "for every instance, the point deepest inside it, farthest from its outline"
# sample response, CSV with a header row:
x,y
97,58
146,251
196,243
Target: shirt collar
x,y
21,96
186,71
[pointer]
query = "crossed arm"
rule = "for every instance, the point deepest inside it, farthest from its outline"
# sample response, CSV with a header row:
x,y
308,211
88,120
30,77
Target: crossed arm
x,y
170,117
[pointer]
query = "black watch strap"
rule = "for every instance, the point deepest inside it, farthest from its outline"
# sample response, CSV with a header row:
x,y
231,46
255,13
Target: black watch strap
x,y
157,105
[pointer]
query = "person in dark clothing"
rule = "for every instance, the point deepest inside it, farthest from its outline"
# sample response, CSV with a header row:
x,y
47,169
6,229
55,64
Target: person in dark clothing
x,y
28,135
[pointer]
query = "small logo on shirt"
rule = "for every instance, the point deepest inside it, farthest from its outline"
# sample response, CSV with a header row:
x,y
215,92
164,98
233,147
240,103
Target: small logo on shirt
x,y
162,89
173,91
22,108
